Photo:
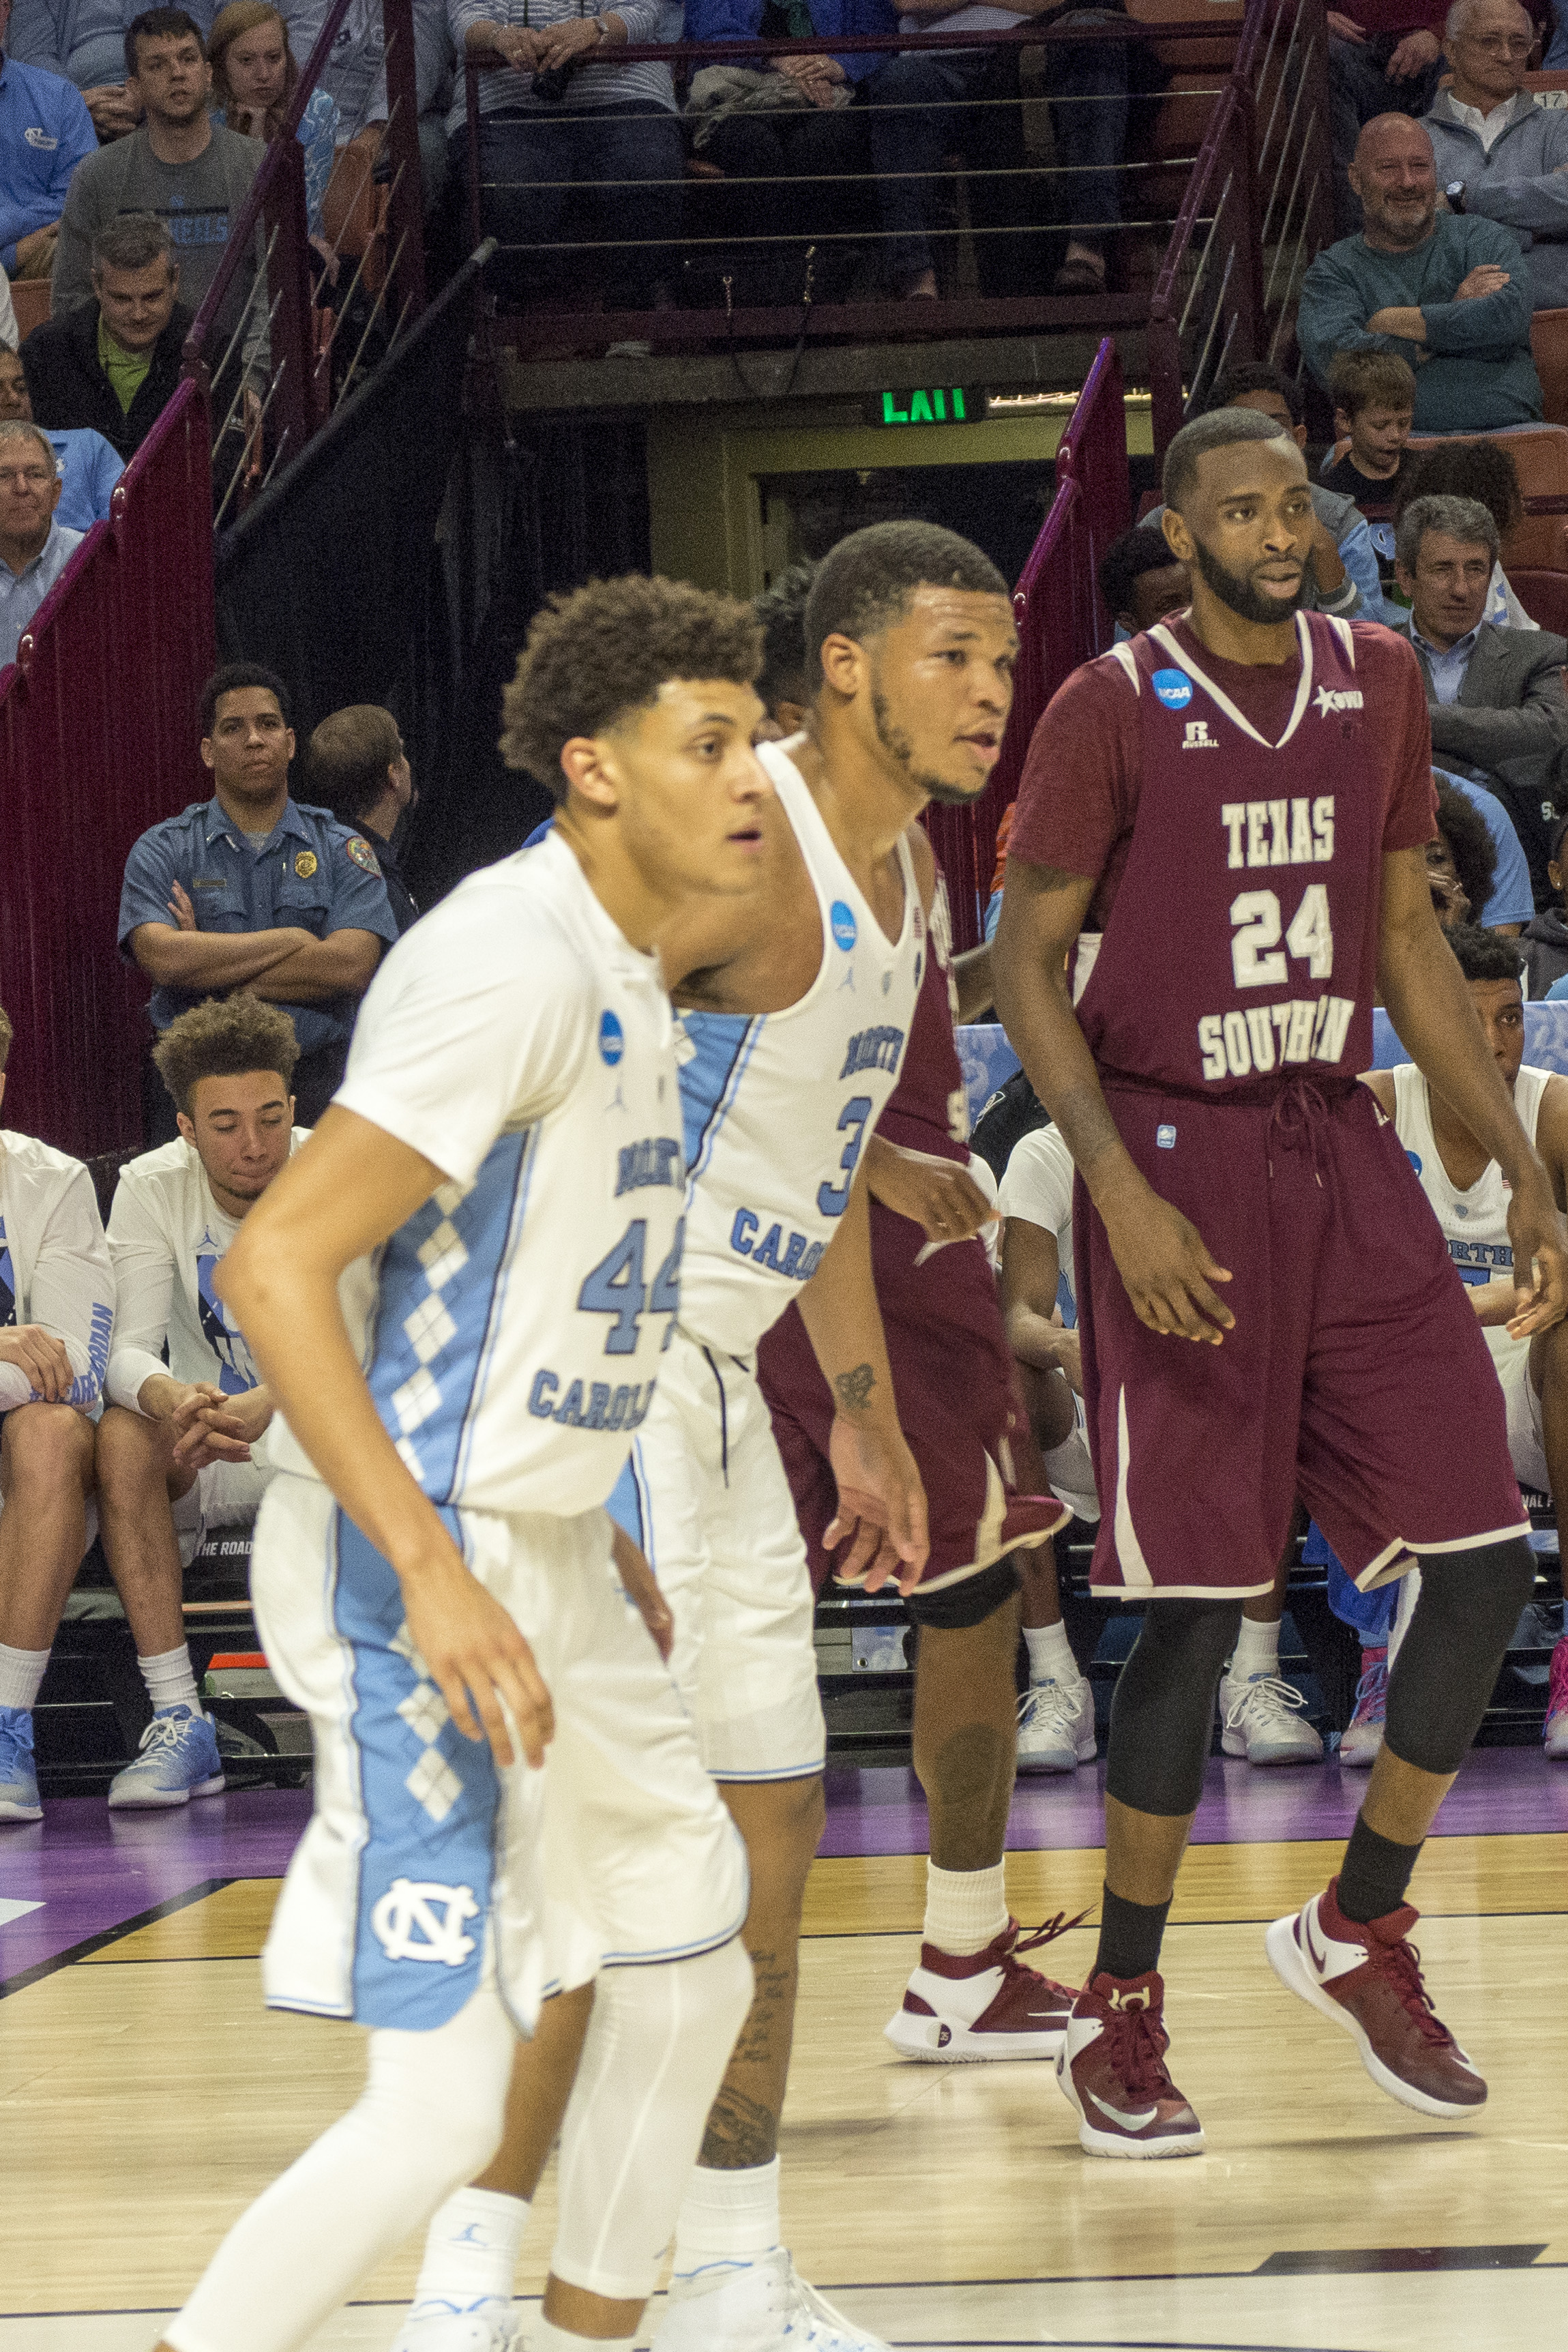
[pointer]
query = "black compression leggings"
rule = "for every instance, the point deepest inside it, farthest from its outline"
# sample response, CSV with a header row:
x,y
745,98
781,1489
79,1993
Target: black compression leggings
x,y
1162,1717
1454,1645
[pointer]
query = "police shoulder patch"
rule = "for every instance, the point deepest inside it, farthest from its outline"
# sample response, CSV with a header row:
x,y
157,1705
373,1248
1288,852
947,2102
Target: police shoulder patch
x,y
363,855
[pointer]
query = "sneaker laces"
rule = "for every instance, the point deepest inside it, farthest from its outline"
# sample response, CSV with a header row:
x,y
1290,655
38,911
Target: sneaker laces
x,y
808,2312
1371,1694
1015,1941
1138,2054
1264,1695
1399,1965
1049,1706
166,1731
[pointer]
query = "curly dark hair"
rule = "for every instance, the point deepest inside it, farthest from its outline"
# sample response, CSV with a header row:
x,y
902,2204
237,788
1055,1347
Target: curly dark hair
x,y
1481,470
1470,845
781,610
1483,955
601,652
222,1038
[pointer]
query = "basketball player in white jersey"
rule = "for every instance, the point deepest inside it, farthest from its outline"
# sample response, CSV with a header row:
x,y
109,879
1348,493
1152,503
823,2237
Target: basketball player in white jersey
x,y
186,1404
1470,1199
795,1014
459,1294
56,1311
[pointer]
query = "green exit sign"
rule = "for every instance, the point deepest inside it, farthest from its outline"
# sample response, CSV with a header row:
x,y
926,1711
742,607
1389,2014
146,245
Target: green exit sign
x,y
945,405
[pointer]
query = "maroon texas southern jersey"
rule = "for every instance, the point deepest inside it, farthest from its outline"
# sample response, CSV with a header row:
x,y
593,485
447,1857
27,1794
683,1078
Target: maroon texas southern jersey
x,y
1240,947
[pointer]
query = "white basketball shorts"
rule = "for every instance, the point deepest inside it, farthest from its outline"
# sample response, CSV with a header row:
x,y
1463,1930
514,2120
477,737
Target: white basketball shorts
x,y
424,1863
224,1495
705,1495
1526,1444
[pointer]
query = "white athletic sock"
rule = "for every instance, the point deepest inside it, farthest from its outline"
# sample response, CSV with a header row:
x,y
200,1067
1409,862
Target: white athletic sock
x,y
471,2247
965,1909
21,1672
544,2335
170,1680
1051,1658
726,2219
1256,1651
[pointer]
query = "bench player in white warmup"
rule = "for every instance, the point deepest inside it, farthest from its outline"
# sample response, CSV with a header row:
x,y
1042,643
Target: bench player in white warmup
x,y
499,1189
185,1402
1470,1199
56,1310
796,1015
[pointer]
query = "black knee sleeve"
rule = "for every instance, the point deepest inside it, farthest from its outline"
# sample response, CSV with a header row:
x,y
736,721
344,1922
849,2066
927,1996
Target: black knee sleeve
x,y
968,1603
1455,1644
1162,1718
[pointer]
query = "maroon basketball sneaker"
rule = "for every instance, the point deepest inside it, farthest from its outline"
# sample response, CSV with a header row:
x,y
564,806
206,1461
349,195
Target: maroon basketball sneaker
x,y
1367,1979
1112,2068
960,2006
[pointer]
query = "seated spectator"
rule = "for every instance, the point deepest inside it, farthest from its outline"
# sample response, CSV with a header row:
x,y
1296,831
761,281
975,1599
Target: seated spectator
x,y
1478,859
1482,471
1498,153
190,173
84,40
1343,565
1470,1199
45,132
1374,401
1545,940
88,465
34,548
613,133
184,1404
1446,292
1494,696
929,96
1141,581
56,1311
356,767
1384,58
252,889
790,146
355,74
254,77
111,365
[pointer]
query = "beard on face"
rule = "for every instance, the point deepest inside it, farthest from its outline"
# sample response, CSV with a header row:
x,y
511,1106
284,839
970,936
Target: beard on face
x,y
1236,591
897,746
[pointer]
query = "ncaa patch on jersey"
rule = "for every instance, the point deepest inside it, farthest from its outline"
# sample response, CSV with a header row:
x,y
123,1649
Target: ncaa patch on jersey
x,y
843,925
360,850
611,1039
1173,688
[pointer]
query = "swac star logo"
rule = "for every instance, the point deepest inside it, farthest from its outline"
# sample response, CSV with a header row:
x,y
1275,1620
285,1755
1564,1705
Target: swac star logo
x,y
1338,698
407,1909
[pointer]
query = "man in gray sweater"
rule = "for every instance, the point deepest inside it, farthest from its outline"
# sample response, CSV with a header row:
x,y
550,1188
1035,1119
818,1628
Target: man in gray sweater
x,y
1447,293
1498,155
193,172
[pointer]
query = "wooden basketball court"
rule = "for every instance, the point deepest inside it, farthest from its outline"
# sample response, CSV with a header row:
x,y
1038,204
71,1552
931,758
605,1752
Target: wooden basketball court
x,y
146,2096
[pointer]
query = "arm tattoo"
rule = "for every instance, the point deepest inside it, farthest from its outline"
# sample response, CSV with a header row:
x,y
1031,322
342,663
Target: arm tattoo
x,y
854,1389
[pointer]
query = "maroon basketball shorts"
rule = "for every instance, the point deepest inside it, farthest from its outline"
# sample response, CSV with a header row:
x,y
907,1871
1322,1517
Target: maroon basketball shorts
x,y
1356,1375
952,1376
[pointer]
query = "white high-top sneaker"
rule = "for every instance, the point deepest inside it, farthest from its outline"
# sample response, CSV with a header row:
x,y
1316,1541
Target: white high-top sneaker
x,y
757,2306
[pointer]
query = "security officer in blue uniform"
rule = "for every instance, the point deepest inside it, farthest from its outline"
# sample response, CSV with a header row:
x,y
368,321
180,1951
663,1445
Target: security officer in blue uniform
x,y
252,889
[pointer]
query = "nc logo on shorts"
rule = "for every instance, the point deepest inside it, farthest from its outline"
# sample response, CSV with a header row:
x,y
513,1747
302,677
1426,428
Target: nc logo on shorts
x,y
1173,688
611,1039
843,925
406,1928
1165,1137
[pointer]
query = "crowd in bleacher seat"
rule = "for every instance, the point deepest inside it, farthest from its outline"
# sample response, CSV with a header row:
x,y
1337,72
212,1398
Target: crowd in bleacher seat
x,y
46,131
1498,153
255,73
35,547
89,466
256,890
1373,396
1544,942
111,365
356,767
1446,291
355,76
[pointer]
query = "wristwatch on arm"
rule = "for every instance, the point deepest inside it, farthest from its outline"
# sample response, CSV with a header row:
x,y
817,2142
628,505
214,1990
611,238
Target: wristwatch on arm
x,y
1454,194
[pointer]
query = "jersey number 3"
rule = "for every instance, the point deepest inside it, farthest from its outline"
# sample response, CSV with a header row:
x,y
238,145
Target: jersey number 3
x,y
616,1287
1310,938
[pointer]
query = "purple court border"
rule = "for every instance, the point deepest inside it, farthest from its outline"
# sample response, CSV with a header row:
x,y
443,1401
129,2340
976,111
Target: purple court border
x,y
97,1873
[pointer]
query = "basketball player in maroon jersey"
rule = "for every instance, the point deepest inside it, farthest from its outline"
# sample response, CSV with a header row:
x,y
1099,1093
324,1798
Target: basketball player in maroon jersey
x,y
1266,771
972,1997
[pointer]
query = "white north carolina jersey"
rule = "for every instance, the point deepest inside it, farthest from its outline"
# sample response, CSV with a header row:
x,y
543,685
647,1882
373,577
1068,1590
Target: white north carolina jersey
x,y
778,1105
1474,1223
167,1238
54,1264
511,1330
1037,1185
